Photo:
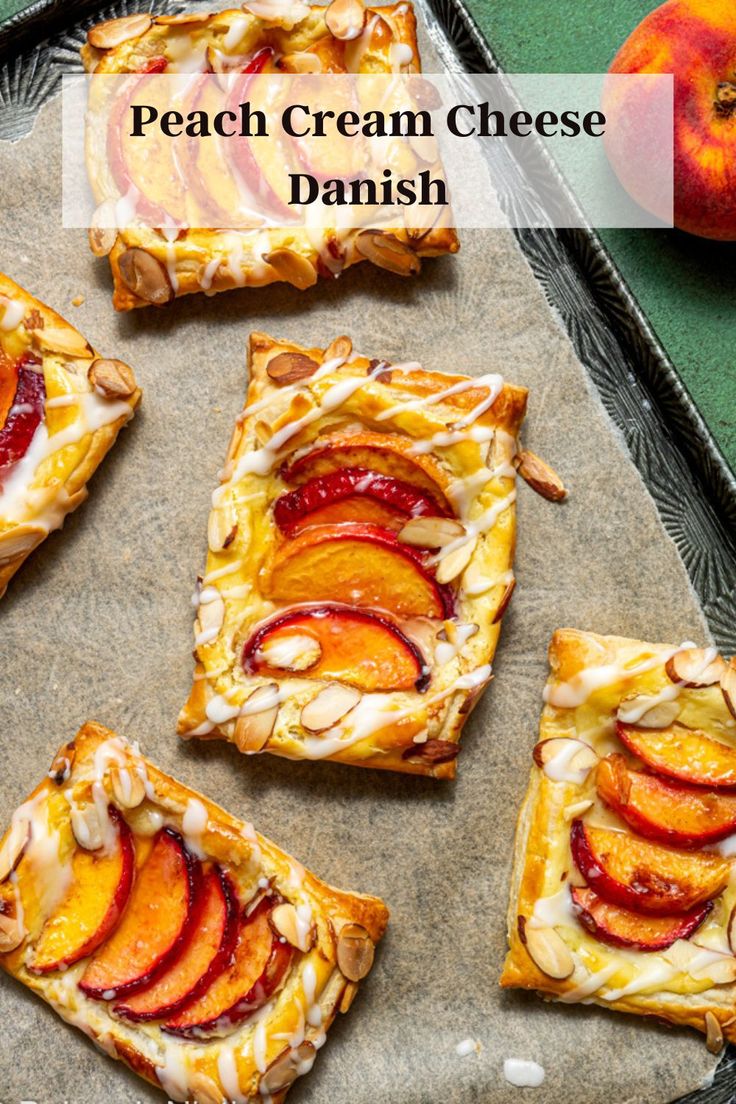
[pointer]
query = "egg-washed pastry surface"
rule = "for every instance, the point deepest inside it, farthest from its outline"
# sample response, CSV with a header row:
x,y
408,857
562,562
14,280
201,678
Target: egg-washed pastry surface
x,y
153,267
61,408
360,559
175,936
623,888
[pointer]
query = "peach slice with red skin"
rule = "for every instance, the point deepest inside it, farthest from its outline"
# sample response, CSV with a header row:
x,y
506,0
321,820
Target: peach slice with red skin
x,y
362,565
25,412
620,927
359,647
645,877
155,925
92,905
208,949
665,811
385,453
353,494
256,969
684,754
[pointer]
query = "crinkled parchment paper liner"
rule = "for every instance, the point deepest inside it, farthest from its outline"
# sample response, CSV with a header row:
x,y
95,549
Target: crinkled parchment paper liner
x,y
98,624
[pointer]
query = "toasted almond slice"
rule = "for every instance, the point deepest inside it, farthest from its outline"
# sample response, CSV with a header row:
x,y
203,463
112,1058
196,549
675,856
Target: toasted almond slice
x,y
85,822
728,685
290,367
203,1088
713,1033
659,715
345,19
300,62
128,788
694,668
430,532
12,931
211,616
12,849
548,951
731,930
432,752
564,759
329,706
455,562
101,240
112,378
504,603
62,339
355,952
348,996
114,32
293,267
540,476
222,526
19,540
386,251
255,724
340,348
285,1069
571,812
297,652
61,767
145,276
182,19
720,972
285,921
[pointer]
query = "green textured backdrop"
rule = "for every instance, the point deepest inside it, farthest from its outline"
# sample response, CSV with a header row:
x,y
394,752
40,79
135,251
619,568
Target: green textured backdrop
x,y
686,286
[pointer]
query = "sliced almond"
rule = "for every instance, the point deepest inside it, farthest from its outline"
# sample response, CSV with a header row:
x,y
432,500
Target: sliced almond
x,y
102,240
203,1088
222,526
455,562
293,267
285,921
731,930
659,715
63,339
355,952
432,752
348,996
300,62
128,788
345,19
114,32
13,847
694,668
183,19
564,759
145,276
430,532
295,652
728,685
540,476
12,931
85,822
61,767
713,1033
549,952
571,812
329,706
291,367
112,378
211,616
386,251
504,603
284,1070
340,348
254,727
19,540
720,972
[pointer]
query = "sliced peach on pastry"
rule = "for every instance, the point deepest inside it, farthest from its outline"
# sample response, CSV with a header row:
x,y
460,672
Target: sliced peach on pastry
x,y
387,453
206,954
92,905
330,641
360,565
620,927
627,871
684,754
352,494
256,969
25,412
663,810
154,927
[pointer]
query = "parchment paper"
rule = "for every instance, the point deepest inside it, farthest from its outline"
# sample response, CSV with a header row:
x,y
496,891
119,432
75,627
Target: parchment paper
x,y
99,625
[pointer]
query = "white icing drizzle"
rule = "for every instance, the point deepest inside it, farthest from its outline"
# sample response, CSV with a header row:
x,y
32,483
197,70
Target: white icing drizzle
x,y
491,381
171,234
324,369
475,583
589,985
523,1074
446,650
194,825
221,572
569,695
13,313
557,767
227,1069
477,528
553,911
633,712
173,1075
43,854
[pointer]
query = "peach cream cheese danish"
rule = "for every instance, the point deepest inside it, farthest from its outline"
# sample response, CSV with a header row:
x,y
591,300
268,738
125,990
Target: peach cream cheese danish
x,y
61,408
360,559
623,891
151,266
176,937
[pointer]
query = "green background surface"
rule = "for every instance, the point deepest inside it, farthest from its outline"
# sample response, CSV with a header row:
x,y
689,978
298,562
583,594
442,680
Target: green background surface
x,y
686,286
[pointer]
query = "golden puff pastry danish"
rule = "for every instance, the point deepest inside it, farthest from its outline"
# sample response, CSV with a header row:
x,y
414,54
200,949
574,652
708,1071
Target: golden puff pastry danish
x,y
176,937
623,891
152,266
61,408
360,560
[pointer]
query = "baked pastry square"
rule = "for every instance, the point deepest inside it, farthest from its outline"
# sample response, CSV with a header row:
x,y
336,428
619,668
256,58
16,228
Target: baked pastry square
x,y
61,408
153,267
176,937
622,889
360,559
